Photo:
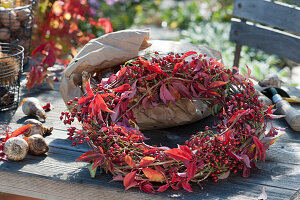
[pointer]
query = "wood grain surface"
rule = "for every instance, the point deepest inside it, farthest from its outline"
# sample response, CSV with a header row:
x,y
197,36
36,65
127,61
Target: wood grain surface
x,y
57,176
273,14
265,38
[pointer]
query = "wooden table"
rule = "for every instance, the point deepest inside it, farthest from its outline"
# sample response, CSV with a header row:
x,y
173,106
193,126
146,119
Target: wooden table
x,y
57,176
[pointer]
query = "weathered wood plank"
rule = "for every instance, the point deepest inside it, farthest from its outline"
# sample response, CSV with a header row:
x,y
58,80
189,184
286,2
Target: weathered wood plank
x,y
282,16
267,39
59,166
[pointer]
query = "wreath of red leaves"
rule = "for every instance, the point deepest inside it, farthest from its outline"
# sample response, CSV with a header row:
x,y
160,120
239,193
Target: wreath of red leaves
x,y
108,124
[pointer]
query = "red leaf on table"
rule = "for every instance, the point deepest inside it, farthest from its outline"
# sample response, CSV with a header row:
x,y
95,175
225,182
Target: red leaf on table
x,y
187,187
129,161
246,172
89,156
188,54
260,148
165,94
146,161
21,130
153,175
122,88
178,154
177,67
98,162
191,170
163,187
146,187
129,180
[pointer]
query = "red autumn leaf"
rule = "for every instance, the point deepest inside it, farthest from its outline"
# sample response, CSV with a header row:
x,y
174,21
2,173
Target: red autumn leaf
x,y
107,95
146,187
38,49
216,84
270,109
174,92
146,161
122,88
98,162
224,175
122,72
84,100
246,160
153,175
246,172
163,187
178,154
129,161
191,170
186,150
153,67
21,130
50,58
183,90
165,94
88,88
177,67
227,136
237,115
215,62
260,148
129,180
145,103
118,178
98,101
89,156
187,187
188,54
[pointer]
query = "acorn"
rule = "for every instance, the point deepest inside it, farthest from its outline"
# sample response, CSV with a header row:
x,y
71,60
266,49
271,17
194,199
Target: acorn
x,y
39,128
37,145
16,148
31,107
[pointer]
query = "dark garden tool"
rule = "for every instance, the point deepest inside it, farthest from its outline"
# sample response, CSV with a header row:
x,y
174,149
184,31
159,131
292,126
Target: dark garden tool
x,y
292,116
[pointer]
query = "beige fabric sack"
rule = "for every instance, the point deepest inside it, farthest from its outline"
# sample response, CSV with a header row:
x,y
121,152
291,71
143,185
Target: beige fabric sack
x,y
112,50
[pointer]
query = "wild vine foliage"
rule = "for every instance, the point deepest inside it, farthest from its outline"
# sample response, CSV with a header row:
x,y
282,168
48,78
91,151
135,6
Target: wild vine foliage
x,y
238,138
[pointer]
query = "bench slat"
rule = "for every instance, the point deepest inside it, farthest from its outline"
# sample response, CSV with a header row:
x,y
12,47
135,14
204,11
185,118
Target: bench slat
x,y
265,38
281,16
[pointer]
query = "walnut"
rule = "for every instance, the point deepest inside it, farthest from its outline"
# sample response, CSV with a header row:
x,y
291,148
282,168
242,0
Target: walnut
x,y
23,14
4,34
8,17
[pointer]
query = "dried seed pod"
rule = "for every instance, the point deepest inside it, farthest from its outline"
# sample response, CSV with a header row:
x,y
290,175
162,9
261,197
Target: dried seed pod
x,y
37,145
31,107
37,129
16,148
4,34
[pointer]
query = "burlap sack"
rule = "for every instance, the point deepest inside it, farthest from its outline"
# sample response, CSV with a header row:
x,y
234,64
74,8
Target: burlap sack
x,y
113,49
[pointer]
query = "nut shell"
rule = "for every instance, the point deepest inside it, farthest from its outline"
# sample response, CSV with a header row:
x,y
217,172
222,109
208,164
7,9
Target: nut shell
x,y
37,145
16,148
4,34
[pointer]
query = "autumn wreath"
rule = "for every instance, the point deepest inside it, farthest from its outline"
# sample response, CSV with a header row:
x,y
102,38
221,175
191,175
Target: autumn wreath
x,y
238,138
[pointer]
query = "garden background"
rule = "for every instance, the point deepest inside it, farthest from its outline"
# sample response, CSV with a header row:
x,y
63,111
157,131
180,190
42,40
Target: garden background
x,y
66,25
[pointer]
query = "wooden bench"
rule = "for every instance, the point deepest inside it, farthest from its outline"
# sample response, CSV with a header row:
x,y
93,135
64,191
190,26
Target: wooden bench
x,y
273,27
